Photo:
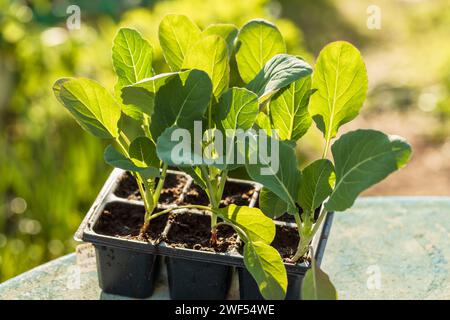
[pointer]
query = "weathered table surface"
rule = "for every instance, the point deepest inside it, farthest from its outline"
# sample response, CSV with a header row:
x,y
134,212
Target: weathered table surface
x,y
382,248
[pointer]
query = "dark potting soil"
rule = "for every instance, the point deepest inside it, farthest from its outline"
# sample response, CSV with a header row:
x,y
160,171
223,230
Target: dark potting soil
x,y
125,221
173,187
233,193
193,231
286,241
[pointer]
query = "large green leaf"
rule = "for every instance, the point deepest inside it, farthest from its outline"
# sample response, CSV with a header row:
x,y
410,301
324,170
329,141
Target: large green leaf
x,y
252,221
362,158
257,42
132,57
266,266
289,110
176,147
132,60
94,108
118,160
263,122
271,204
210,54
316,285
237,109
340,77
228,32
181,101
316,184
284,180
177,33
278,72
143,152
139,98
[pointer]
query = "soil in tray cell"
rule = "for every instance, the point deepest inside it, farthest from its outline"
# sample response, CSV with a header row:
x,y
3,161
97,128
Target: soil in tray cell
x,y
125,221
173,187
234,193
193,231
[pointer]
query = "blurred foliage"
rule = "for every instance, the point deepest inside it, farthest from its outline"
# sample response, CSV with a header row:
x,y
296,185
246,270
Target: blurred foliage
x,y
50,169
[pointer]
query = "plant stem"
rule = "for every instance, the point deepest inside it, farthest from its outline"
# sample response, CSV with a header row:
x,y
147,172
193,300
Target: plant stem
x,y
125,138
306,237
189,206
146,127
160,185
325,150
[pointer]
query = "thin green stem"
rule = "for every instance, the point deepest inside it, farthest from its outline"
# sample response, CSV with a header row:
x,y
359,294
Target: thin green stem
x,y
325,150
223,180
160,185
190,206
125,138
146,127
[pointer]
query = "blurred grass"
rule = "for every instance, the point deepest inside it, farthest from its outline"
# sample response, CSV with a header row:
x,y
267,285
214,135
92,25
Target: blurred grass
x,y
50,169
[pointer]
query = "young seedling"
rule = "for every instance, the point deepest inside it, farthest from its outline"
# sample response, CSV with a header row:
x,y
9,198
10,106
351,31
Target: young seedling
x,y
101,114
201,106
361,158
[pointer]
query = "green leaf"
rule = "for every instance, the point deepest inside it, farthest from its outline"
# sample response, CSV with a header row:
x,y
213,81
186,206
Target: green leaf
x,y
132,57
177,33
282,180
263,122
139,98
271,204
340,78
94,108
143,152
132,60
278,72
363,158
151,84
252,221
266,266
228,32
237,109
316,184
181,101
289,110
176,147
316,285
118,160
257,42
210,54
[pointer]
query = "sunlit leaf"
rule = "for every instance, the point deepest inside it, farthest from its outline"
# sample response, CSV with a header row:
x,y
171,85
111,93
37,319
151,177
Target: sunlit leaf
x,y
289,110
316,285
277,73
94,108
316,184
363,158
340,78
177,33
266,266
210,54
257,42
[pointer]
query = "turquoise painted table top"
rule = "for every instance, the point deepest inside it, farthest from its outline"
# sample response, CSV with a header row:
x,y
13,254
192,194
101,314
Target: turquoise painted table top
x,y
382,248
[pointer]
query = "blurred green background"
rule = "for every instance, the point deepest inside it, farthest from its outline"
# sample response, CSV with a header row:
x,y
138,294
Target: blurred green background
x,y
51,170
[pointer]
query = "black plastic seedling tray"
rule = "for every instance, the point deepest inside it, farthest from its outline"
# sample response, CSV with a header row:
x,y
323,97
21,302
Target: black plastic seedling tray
x,y
129,267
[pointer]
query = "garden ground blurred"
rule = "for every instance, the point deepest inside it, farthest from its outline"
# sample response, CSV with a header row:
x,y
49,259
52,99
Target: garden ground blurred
x,y
50,170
